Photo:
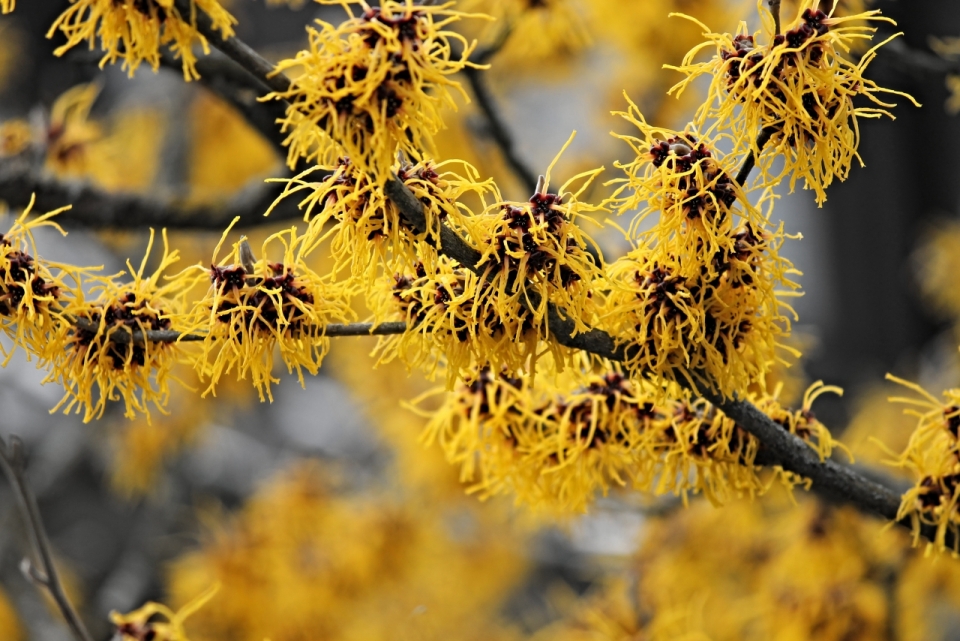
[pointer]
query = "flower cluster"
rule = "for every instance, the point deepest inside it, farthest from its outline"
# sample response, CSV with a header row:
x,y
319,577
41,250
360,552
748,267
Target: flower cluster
x,y
255,306
534,253
30,289
933,455
799,90
454,321
135,30
696,300
105,353
373,85
367,230
555,447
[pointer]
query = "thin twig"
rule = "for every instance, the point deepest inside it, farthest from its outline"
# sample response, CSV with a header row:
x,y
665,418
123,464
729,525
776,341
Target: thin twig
x,y
775,10
44,573
234,48
785,449
498,129
751,160
95,207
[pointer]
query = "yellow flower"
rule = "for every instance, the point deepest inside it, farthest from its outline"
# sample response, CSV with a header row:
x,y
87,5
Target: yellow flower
x,y
138,626
454,322
799,88
31,293
134,30
303,561
367,231
540,32
10,627
71,132
554,447
6,6
15,137
779,568
256,306
716,323
373,85
534,252
933,455
99,357
683,180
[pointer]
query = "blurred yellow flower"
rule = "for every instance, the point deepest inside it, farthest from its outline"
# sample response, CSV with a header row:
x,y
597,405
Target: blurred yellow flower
x,y
135,30
10,628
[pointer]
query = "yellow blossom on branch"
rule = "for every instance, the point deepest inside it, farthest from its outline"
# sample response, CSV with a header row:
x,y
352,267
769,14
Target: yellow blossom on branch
x,y
373,85
534,253
717,323
366,229
102,355
933,455
135,30
32,290
255,307
555,446
683,181
455,322
799,89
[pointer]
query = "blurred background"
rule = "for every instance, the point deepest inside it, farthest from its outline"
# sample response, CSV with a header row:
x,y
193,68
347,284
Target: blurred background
x,y
322,516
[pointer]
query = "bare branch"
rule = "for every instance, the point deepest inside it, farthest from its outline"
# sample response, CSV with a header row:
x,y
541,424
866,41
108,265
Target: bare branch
x,y
913,59
498,129
173,336
751,159
95,207
775,10
234,48
44,574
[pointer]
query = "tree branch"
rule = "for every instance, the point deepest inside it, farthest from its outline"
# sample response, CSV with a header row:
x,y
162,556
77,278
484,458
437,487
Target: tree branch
x,y
95,207
785,449
751,159
173,336
13,461
498,129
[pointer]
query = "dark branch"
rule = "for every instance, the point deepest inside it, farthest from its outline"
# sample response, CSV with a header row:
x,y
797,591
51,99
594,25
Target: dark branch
x,y
95,207
235,49
751,160
775,10
911,59
43,572
173,336
498,129
235,86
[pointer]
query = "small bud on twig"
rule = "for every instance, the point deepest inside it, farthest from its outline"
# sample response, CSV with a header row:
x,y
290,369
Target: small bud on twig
x,y
775,10
247,259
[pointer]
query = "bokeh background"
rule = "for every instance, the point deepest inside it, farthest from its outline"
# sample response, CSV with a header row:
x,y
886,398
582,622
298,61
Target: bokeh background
x,y
321,514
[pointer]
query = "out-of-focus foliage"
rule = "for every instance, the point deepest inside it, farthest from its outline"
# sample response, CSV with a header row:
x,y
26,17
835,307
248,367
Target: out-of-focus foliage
x,y
303,561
